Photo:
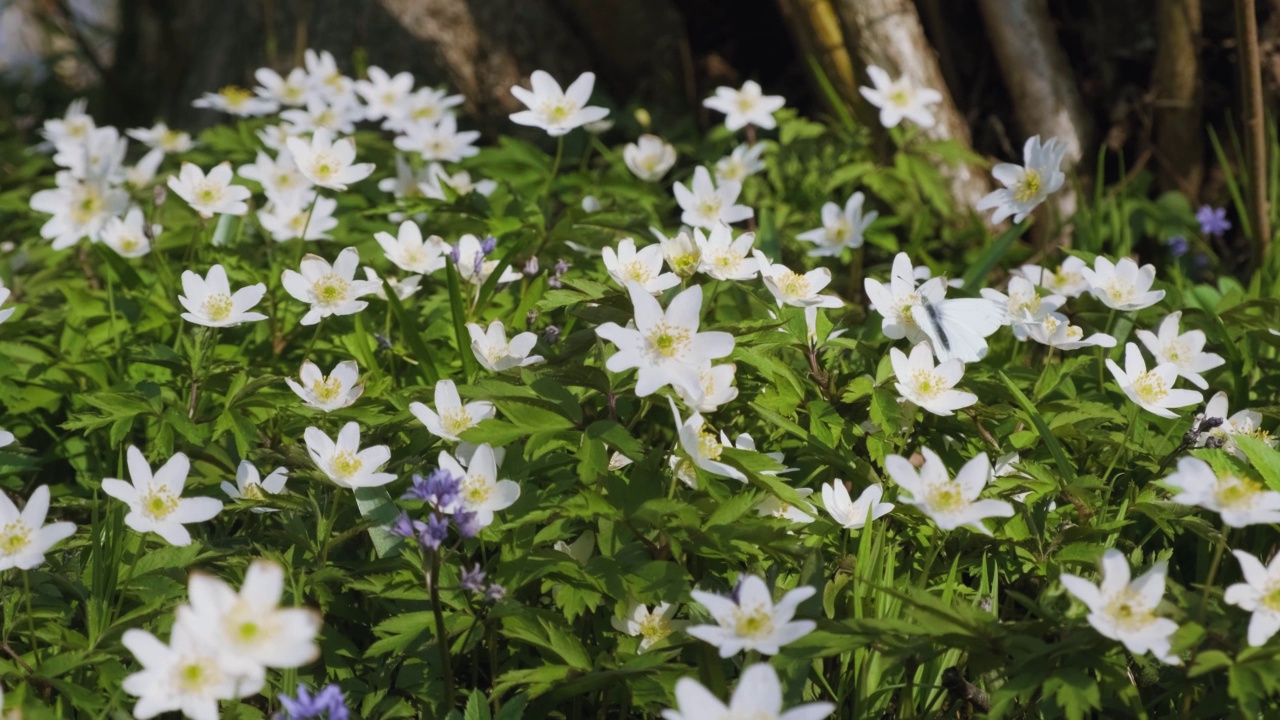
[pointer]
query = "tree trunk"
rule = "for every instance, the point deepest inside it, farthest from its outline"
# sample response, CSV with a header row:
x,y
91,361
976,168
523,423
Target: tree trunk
x,y
815,26
1179,92
1045,98
888,33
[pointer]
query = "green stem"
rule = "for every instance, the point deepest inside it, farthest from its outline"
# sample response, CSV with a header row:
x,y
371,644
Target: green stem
x,y
555,168
1102,352
310,209
31,618
442,638
1213,570
1124,444
306,354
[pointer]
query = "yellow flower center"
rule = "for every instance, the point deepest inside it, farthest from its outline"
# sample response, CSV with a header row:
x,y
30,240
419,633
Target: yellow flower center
x,y
1236,492
1150,388
793,285
1128,612
158,503
88,206
235,96
709,445
324,166
653,628
946,497
755,622
456,421
1271,597
252,491
710,207
476,490
636,271
928,384
207,192
346,464
331,290
326,390
669,341
217,307
14,538
1028,186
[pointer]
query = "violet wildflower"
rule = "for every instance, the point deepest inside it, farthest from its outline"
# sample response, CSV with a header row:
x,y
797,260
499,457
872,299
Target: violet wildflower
x,y
495,593
562,267
531,266
1213,221
439,488
489,245
473,579
327,703
467,522
433,532
404,526
1177,245
455,254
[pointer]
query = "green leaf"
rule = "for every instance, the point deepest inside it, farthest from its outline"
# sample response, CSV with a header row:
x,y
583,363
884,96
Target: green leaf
x,y
1055,449
409,329
1264,458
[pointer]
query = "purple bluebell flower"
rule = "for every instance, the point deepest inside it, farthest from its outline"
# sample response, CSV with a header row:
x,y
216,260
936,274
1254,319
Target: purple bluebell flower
x,y
433,532
531,266
1177,245
439,488
1213,221
562,267
495,593
473,579
455,254
467,522
327,703
478,266
404,526
489,245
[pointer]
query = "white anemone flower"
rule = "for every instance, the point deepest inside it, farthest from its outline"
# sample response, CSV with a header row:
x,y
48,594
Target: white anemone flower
x,y
235,100
643,266
649,157
279,178
80,208
327,393
1024,306
187,675
652,627
715,388
758,696
1259,594
155,501
211,194
1185,351
1152,389
1125,611
1239,500
161,137
496,353
326,162
249,629
706,205
841,228
343,462
437,179
451,417
900,98
725,257
747,106
409,252
791,288
1026,185
210,302
949,503
895,299
701,446
403,288
5,314
250,485
554,110
304,216
328,289
424,105
289,90
482,492
1122,285
440,141
682,253
749,619
665,347
1056,331
1243,422
128,235
1067,280
384,95
926,385
474,267
24,538
854,514
740,164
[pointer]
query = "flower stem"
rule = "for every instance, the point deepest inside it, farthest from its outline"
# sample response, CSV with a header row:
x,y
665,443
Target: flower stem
x,y
31,618
1115,457
310,210
1213,570
1102,352
555,167
306,354
442,638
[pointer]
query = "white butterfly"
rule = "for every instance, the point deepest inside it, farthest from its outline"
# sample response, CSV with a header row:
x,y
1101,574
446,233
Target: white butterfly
x,y
959,327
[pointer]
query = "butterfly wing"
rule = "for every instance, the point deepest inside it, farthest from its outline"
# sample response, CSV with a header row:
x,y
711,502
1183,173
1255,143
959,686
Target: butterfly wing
x,y
958,328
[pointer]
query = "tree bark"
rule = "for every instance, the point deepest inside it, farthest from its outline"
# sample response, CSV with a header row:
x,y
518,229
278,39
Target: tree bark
x,y
815,26
1045,98
1255,132
1179,97
888,33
